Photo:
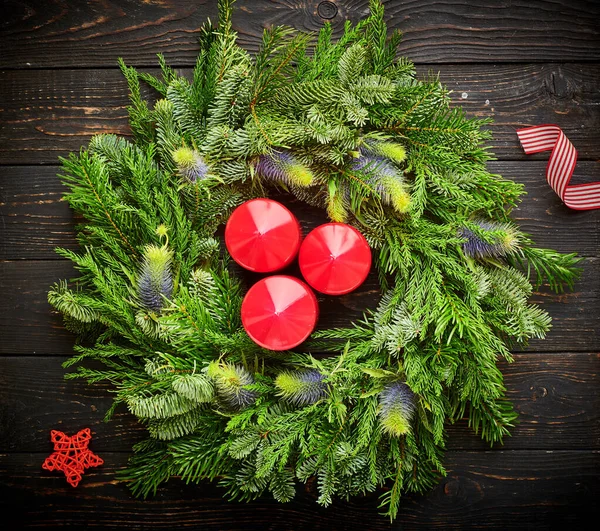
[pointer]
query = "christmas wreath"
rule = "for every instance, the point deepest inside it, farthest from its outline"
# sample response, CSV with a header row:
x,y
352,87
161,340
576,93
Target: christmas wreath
x,y
345,126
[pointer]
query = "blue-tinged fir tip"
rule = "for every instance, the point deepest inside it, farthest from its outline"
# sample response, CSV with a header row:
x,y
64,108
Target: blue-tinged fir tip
x,y
282,166
155,281
475,246
190,164
375,169
385,148
301,388
384,178
396,408
230,383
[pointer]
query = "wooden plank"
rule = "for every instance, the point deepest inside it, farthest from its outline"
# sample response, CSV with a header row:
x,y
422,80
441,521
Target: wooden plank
x,y
36,221
35,398
543,215
490,490
27,325
34,218
517,96
556,397
571,322
72,34
47,114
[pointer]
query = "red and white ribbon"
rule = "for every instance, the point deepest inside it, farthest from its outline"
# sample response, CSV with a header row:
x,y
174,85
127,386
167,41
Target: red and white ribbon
x,y
560,165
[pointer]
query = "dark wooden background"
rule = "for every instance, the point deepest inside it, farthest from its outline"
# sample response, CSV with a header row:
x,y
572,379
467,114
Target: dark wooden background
x,y
521,62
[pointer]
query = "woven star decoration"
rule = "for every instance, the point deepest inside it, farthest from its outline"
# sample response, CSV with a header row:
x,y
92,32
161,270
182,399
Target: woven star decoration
x,y
71,455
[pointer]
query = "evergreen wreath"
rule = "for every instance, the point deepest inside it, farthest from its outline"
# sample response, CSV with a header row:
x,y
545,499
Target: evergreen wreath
x,y
346,127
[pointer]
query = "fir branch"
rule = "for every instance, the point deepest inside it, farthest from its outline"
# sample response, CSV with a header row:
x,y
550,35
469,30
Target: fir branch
x,y
86,166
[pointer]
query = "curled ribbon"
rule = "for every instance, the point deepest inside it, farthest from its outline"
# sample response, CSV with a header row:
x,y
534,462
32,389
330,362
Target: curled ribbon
x,y
560,165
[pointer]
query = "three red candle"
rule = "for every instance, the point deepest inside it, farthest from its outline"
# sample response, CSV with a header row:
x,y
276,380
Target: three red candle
x,y
335,259
280,312
262,235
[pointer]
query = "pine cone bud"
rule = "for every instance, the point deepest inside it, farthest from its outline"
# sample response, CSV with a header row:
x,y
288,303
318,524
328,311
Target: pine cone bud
x,y
283,167
385,179
155,280
397,406
390,150
301,387
230,382
190,164
477,247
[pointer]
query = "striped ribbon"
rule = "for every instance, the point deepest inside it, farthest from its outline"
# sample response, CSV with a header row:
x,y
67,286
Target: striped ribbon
x,y
560,165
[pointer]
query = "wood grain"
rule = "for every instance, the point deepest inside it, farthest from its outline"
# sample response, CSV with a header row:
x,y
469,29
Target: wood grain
x,y
517,61
557,398
575,315
516,96
27,325
47,114
483,490
67,33
35,221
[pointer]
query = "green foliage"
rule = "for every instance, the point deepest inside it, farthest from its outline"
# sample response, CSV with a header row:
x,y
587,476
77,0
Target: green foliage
x,y
216,405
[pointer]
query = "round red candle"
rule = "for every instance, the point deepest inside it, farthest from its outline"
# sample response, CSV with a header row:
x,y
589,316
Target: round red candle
x,y
262,235
335,258
279,312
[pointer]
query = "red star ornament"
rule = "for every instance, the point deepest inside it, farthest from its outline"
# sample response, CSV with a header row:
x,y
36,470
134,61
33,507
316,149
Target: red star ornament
x,y
71,455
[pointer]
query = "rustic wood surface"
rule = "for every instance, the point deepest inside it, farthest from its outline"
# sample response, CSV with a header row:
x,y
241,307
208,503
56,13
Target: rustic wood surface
x,y
499,489
519,62
59,33
48,113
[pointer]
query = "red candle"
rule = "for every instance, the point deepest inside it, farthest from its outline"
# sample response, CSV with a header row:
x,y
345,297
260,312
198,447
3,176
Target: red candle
x,y
335,258
279,312
262,235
